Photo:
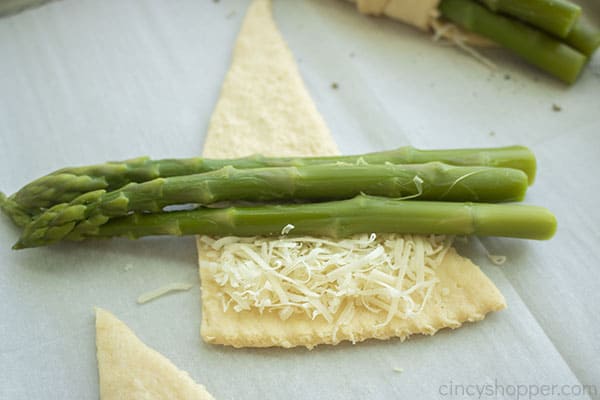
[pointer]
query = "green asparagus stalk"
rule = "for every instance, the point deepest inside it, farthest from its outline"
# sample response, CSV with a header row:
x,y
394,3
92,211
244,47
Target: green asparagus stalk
x,y
556,17
584,37
362,214
432,181
66,184
17,214
536,47
8,7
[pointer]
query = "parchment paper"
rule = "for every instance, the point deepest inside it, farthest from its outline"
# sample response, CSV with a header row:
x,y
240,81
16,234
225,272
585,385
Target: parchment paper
x,y
87,81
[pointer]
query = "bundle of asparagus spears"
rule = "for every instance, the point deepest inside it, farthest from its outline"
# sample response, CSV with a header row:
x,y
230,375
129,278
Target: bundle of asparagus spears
x,y
404,190
549,34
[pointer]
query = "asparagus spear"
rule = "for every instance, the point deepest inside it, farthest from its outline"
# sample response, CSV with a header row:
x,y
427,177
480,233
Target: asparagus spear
x,y
8,7
66,184
534,46
584,37
557,17
362,214
432,181
17,214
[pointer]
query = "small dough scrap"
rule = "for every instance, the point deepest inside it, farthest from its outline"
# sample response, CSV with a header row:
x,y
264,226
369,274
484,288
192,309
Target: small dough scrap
x,y
130,370
463,294
265,108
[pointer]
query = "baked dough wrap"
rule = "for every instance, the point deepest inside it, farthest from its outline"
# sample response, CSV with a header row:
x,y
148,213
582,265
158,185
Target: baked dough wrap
x,y
422,14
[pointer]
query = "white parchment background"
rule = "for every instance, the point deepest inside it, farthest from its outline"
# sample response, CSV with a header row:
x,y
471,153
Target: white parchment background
x,y
91,80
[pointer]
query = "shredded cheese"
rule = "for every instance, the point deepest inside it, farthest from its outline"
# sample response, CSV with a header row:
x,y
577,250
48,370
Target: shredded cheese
x,y
390,274
163,290
463,41
496,259
287,229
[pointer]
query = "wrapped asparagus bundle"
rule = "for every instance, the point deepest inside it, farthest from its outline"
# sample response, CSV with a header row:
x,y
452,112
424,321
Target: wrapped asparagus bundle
x,y
550,34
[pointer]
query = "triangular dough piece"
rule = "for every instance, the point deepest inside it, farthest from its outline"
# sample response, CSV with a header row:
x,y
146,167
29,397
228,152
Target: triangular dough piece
x,y
130,370
265,108
463,294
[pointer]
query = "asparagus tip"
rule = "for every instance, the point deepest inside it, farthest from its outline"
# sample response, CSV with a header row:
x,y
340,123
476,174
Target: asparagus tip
x,y
14,211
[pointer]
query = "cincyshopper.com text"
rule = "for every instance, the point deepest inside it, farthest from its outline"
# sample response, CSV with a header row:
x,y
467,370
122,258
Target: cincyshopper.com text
x,y
498,390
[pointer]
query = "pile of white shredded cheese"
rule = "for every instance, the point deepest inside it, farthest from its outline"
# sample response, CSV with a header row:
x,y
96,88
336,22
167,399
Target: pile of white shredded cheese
x,y
389,274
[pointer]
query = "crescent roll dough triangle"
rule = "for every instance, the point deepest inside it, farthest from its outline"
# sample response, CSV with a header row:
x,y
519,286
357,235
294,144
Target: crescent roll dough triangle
x,y
265,108
130,370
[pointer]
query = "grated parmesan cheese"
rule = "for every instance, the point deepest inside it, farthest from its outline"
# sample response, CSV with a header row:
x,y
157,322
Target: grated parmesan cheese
x,y
287,229
496,258
163,290
392,275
